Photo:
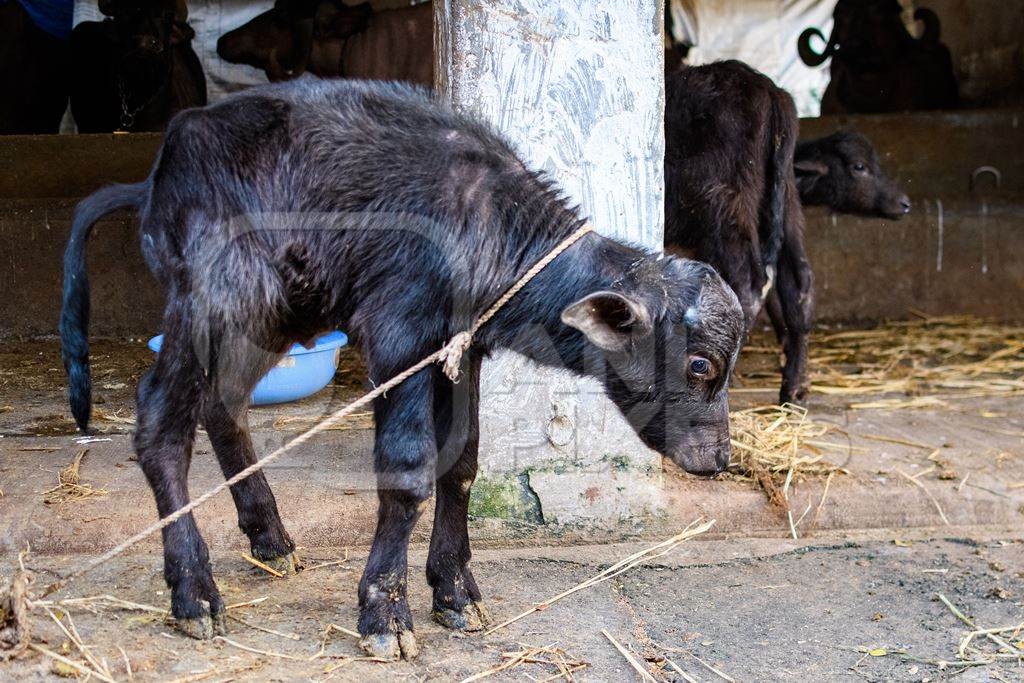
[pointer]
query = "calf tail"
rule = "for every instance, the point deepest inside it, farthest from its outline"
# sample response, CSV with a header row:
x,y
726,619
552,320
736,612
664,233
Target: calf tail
x,y
782,132
74,314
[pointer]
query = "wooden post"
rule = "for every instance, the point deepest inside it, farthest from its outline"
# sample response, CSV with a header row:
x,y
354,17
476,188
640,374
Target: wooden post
x,y
578,87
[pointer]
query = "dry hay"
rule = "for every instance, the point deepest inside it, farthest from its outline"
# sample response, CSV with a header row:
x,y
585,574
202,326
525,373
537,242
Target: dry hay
x,y
952,356
775,444
70,486
563,664
1008,640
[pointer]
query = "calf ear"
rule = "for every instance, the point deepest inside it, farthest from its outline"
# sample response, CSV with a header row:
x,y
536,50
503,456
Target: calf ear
x,y
608,319
807,167
809,172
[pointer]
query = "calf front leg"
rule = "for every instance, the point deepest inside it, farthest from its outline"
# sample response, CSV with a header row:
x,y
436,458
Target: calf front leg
x,y
405,456
457,601
258,517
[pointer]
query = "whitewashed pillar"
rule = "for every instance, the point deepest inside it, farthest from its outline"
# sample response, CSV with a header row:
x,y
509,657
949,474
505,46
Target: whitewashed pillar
x,y
578,87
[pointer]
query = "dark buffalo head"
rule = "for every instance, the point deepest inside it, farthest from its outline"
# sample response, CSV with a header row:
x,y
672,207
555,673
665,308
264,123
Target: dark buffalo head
x,y
870,33
669,333
842,171
280,41
148,27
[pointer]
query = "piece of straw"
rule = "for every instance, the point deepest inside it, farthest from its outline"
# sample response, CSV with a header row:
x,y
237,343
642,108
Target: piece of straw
x,y
268,653
68,662
516,660
256,563
928,493
687,677
644,673
693,529
718,672
988,633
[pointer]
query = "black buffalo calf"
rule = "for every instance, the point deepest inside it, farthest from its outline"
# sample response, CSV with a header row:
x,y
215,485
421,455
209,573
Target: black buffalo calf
x,y
731,198
310,205
842,171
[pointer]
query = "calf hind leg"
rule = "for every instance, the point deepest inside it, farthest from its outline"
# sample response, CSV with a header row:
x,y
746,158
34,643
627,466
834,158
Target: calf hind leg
x,y
796,299
457,601
239,367
169,396
773,307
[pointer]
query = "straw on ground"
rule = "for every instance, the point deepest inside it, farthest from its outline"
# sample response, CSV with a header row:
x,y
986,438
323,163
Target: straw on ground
x,y
70,486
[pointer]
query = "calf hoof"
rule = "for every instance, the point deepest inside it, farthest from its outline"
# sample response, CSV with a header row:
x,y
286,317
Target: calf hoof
x,y
472,617
390,646
286,564
797,397
204,627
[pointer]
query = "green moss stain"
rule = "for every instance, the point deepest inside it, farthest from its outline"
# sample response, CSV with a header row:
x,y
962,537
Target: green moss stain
x,y
493,498
505,498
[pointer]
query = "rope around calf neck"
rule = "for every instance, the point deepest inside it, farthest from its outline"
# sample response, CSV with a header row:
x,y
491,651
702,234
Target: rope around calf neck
x,y
450,355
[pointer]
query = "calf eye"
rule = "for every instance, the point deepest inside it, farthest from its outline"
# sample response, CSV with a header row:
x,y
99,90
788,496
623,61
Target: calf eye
x,y
860,168
701,368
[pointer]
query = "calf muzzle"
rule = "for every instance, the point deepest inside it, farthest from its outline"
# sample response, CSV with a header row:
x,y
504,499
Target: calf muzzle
x,y
704,458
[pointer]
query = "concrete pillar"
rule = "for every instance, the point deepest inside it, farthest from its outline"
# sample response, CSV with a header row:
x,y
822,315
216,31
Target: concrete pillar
x,y
577,86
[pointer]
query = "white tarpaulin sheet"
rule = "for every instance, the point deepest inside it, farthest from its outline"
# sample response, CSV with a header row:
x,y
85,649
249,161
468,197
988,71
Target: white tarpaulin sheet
x,y
762,33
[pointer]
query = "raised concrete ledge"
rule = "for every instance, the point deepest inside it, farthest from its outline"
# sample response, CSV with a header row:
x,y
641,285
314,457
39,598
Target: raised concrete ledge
x,y
326,499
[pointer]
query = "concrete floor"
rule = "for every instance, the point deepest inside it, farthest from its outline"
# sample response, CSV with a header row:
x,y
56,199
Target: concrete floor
x,y
757,610
744,598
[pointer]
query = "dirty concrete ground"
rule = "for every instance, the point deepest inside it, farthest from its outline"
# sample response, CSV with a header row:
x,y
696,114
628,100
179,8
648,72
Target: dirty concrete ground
x,y
755,610
752,602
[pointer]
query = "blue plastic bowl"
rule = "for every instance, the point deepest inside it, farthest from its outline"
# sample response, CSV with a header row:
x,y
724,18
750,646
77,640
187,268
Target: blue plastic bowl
x,y
301,373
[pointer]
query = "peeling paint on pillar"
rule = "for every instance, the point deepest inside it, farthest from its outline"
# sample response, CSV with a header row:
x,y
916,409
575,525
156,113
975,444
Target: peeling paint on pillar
x,y
578,88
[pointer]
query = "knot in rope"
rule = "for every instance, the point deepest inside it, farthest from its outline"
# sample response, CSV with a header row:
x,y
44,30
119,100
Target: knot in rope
x,y
451,354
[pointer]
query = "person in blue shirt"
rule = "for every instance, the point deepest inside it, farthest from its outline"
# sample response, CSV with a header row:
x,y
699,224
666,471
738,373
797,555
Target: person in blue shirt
x,y
34,56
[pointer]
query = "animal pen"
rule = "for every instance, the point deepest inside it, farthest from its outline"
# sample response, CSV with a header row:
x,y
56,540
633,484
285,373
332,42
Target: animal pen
x,y
872,527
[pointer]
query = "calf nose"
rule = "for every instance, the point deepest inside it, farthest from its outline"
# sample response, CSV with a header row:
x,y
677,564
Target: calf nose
x,y
705,460
905,204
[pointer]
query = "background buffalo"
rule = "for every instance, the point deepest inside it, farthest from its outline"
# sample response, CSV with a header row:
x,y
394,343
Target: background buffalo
x,y
877,66
136,69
